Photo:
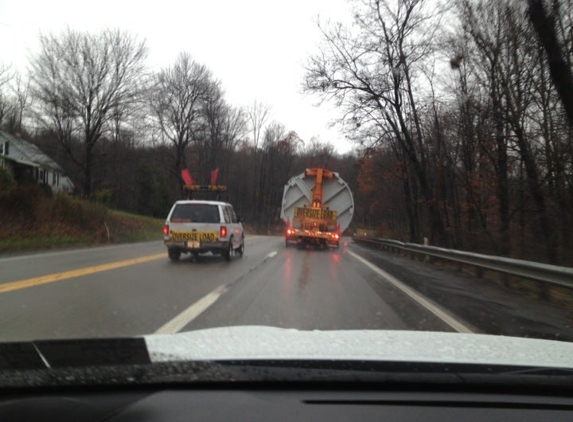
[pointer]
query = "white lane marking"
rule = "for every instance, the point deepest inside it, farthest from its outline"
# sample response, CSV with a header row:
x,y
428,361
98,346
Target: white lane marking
x,y
192,312
426,303
197,308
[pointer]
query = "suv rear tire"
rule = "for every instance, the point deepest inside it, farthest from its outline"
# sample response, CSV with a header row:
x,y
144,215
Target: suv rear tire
x,y
174,254
229,251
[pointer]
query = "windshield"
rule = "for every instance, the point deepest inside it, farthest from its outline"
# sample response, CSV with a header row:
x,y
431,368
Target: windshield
x,y
323,179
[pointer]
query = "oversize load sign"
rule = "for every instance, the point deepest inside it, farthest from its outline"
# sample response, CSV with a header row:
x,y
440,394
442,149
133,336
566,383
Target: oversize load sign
x,y
180,236
314,213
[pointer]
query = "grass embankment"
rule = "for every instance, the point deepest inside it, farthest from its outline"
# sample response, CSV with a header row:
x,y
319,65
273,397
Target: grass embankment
x,y
33,220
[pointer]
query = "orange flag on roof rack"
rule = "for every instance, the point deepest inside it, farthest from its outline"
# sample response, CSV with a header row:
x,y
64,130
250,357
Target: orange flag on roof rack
x,y
187,178
214,175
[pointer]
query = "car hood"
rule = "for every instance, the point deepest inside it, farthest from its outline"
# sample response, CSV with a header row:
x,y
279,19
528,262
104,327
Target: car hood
x,y
266,343
267,354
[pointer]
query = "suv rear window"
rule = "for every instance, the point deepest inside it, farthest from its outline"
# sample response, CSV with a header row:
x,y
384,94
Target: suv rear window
x,y
195,213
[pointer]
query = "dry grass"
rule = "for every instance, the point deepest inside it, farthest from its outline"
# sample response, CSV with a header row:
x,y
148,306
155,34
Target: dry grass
x,y
31,219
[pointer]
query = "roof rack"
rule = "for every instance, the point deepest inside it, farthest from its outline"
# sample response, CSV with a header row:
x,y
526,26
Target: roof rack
x,y
218,189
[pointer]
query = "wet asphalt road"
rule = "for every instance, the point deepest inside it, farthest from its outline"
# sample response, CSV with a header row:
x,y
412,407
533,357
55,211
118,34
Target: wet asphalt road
x,y
131,290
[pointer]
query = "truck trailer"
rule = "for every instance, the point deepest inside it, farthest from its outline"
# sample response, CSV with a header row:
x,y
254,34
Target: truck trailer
x,y
317,207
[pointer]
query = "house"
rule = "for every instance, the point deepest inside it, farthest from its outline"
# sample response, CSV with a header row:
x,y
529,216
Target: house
x,y
24,160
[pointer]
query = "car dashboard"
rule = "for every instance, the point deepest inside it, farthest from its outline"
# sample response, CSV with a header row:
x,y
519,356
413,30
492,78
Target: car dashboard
x,y
218,403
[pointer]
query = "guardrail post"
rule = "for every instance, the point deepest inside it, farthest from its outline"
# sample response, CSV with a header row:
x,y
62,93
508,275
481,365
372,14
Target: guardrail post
x,y
544,291
505,279
427,243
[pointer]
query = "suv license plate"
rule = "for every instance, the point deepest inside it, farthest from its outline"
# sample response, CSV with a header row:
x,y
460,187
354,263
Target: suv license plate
x,y
193,244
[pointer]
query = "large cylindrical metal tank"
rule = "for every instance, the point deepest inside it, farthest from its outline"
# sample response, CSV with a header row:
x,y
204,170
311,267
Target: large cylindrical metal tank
x,y
335,193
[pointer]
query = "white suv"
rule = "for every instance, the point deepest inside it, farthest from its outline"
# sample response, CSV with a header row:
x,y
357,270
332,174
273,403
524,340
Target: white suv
x,y
197,227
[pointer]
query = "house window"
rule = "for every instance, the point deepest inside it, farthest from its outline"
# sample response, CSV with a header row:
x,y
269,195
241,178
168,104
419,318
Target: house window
x,y
6,148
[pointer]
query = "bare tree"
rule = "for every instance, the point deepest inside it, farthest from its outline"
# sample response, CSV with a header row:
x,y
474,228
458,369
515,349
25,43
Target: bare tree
x,y
221,128
559,68
258,115
177,98
319,153
5,76
484,22
78,80
371,71
508,65
273,133
20,103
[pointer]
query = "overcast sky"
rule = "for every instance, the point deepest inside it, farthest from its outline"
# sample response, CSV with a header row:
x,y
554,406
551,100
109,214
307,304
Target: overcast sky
x,y
256,47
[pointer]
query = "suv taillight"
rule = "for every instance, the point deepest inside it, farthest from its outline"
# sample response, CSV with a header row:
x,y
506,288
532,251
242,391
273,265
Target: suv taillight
x,y
223,232
166,230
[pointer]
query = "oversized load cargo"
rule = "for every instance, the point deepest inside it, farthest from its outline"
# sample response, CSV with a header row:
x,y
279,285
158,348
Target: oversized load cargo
x,y
317,207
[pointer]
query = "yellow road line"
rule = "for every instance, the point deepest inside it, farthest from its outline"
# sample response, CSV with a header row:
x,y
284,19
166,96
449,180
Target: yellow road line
x,y
51,278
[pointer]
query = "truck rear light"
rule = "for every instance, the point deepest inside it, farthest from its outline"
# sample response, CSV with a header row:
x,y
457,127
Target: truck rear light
x,y
289,231
336,236
166,230
223,231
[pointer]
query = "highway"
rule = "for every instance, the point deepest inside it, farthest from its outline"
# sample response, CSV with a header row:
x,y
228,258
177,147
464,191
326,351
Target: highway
x,y
133,289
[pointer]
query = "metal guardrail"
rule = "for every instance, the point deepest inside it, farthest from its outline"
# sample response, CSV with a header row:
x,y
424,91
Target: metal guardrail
x,y
554,274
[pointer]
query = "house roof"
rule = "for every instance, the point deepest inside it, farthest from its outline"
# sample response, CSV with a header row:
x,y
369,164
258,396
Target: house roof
x,y
28,153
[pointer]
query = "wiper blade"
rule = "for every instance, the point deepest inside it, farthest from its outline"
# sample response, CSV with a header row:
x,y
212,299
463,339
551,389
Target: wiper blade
x,y
541,371
284,372
20,356
73,353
